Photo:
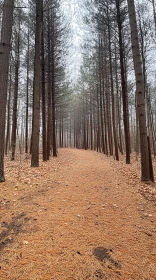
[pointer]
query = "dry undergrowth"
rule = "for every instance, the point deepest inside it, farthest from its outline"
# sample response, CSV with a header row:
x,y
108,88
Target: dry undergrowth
x,y
79,216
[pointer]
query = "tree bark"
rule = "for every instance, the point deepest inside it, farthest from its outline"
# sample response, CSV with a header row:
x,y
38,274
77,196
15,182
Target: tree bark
x,y
27,98
112,92
5,46
14,118
53,94
44,140
99,76
154,14
7,141
140,94
49,118
123,85
36,90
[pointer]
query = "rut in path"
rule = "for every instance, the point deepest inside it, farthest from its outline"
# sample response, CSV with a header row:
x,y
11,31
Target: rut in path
x,y
82,217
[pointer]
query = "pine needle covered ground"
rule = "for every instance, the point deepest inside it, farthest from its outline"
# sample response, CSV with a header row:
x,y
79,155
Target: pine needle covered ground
x,y
78,216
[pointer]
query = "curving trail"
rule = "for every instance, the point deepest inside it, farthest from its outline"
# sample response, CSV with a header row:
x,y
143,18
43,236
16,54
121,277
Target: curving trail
x,y
79,216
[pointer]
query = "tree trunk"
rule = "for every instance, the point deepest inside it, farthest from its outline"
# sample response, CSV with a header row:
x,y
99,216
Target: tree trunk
x,y
44,140
6,31
27,99
53,95
49,118
118,111
91,123
123,85
154,14
36,90
7,141
112,93
100,96
14,118
140,94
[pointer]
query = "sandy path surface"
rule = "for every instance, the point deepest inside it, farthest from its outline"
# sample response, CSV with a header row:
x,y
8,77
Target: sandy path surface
x,y
78,216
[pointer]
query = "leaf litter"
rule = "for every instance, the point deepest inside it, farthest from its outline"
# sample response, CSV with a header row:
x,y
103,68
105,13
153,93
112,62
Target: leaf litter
x,y
79,216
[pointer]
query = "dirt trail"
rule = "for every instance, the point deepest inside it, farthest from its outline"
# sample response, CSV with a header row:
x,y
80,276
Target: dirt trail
x,y
79,216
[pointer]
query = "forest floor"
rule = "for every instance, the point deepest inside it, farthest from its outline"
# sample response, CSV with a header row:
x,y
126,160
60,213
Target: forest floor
x,y
78,216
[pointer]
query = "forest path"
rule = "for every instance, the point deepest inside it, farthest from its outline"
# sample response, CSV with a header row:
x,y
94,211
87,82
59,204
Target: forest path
x,y
79,216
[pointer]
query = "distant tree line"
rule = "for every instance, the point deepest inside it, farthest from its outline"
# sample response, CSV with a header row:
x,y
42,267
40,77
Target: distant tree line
x,y
111,108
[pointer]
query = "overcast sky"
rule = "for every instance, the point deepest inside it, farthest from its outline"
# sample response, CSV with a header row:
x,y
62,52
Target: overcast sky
x,y
74,13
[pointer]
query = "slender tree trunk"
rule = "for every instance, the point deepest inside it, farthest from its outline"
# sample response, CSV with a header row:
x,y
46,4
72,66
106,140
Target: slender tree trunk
x,y
44,140
118,111
36,90
53,96
100,96
8,116
98,146
49,118
95,127
105,123
154,14
5,46
123,85
140,95
70,132
53,115
91,124
14,118
112,94
151,124
62,131
27,98
109,119
104,99
150,161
